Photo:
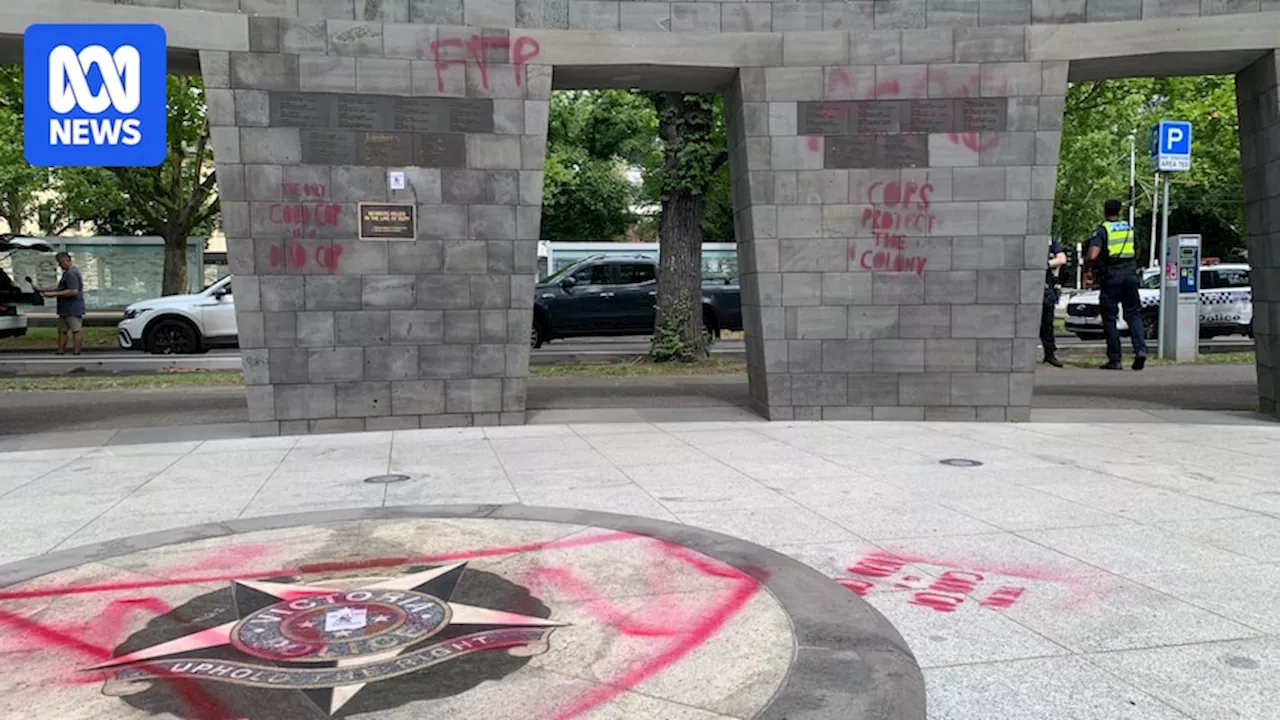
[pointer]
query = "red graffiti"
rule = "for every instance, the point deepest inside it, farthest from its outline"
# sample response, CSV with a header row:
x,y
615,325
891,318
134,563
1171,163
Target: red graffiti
x,y
523,49
896,211
325,257
311,190
304,219
952,586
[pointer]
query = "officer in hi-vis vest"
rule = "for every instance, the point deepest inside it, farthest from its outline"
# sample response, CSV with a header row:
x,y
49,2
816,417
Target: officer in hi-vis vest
x,y
1113,255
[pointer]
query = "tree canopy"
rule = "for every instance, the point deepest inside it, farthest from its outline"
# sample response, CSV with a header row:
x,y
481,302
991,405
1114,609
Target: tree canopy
x,y
1094,161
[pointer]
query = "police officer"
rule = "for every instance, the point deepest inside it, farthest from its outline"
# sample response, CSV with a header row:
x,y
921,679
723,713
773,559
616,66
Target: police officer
x,y
1113,255
1057,258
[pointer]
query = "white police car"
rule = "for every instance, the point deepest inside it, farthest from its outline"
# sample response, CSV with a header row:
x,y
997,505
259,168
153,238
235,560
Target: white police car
x,y
1226,304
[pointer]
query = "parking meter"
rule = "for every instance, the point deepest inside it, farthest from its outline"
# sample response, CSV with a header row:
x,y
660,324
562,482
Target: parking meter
x,y
1180,299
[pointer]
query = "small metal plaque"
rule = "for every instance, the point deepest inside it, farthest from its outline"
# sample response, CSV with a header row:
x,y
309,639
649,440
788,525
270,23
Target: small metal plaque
x,y
823,118
984,115
471,115
427,115
385,148
440,151
902,151
303,110
365,112
388,221
328,147
850,151
930,116
877,117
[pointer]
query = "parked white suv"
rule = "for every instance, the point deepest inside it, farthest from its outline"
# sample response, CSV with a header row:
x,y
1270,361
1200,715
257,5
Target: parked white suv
x,y
13,323
180,324
1226,304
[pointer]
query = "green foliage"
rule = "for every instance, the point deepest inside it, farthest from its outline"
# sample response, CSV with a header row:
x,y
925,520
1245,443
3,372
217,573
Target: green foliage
x,y
668,343
695,141
592,136
174,200
1094,161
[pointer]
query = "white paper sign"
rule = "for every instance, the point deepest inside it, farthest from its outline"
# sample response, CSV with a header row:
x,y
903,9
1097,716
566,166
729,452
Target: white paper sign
x,y
396,179
347,618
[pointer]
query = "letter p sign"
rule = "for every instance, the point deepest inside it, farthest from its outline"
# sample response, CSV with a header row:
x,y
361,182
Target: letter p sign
x,y
1175,138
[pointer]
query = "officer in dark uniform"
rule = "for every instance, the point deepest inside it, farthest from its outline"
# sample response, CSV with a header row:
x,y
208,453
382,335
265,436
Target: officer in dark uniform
x,y
1113,257
1057,258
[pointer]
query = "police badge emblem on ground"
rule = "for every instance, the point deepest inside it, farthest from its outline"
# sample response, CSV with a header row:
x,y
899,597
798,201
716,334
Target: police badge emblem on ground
x,y
294,648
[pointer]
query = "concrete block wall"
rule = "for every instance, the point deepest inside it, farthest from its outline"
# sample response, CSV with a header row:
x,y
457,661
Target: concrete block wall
x,y
894,166
339,333
1258,100
893,213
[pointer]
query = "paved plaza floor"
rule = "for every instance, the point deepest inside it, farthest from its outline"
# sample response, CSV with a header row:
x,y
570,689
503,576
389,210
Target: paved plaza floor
x,y
1080,571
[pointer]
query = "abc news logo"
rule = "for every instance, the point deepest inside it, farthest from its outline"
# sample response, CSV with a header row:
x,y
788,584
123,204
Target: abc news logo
x,y
69,91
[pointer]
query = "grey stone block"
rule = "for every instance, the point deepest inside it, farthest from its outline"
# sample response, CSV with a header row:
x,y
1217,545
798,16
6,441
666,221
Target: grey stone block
x,y
326,365
984,321
443,292
1004,12
899,14
1048,143
817,323
416,327
225,143
391,423
873,389
1024,113
314,329
645,16
847,289
264,34
442,222
688,16
797,16
331,73
815,48
256,363
953,355
898,356
970,253
490,360
253,7
822,186
280,293
493,152
268,146
1230,7
1057,12
866,323
361,327
383,76
304,402
463,186
263,183
819,389
856,16
995,355
953,13
924,321
319,9
1010,148
493,326
465,256
1153,9
279,329
444,361
509,114
492,222
813,254
797,356
496,291
801,289
264,71
999,286
363,399
251,327
355,38
739,16
461,326
392,362
980,183
1002,217
473,395
500,256
847,356
417,397
980,389
1027,321
287,365
1113,10
932,45
915,389
890,288
990,44
215,68
513,394
333,292
793,83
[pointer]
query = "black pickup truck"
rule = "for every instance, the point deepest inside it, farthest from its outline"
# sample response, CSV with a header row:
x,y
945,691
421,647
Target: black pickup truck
x,y
607,296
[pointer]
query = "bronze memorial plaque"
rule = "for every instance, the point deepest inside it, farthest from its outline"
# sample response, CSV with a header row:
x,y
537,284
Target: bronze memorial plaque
x,y
388,221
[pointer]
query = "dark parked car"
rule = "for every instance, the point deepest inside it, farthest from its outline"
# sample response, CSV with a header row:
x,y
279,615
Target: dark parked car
x,y
610,296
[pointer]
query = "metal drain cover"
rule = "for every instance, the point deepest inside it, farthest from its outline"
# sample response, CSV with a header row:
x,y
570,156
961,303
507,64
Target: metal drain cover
x,y
960,462
382,479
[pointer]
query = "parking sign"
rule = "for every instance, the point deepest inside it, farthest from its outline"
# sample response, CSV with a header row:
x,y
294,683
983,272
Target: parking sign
x,y
1171,146
94,95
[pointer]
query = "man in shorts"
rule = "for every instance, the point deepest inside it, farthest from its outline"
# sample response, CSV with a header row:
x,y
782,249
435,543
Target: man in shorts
x,y
70,295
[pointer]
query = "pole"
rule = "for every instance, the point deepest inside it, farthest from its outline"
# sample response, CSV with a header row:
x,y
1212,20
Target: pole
x,y
1155,205
1079,266
1164,254
1133,180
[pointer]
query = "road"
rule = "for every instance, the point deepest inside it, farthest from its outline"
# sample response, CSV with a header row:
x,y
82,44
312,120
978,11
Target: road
x,y
1195,387
561,351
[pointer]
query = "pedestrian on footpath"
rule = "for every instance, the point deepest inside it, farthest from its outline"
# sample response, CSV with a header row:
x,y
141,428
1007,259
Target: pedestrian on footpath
x,y
1113,260
70,295
1057,258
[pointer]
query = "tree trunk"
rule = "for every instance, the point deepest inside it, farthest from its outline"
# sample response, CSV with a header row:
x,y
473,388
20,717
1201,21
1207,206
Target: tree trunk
x,y
175,265
679,306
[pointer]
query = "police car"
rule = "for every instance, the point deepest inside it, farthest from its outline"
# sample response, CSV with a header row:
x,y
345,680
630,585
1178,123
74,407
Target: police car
x,y
1226,304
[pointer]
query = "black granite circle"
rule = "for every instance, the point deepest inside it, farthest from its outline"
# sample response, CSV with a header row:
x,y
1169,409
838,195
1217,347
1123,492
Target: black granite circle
x,y
850,662
382,479
960,462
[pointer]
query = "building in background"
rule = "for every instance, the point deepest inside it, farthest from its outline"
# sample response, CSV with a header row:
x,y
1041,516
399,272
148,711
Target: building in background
x,y
117,271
